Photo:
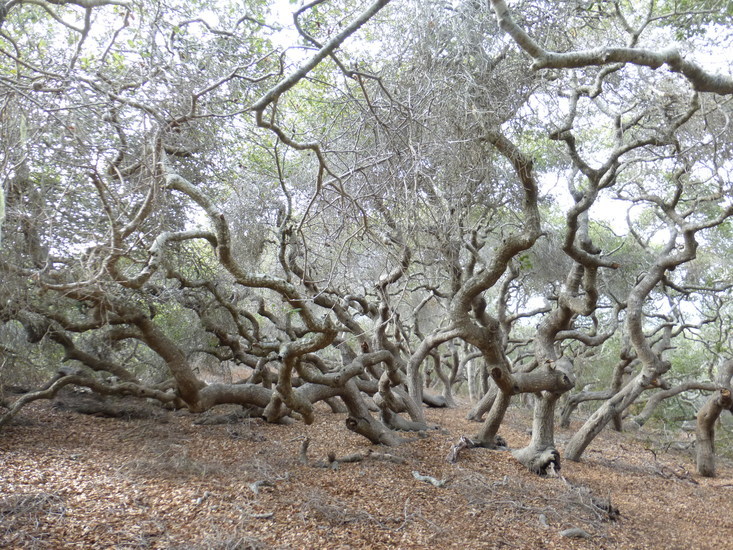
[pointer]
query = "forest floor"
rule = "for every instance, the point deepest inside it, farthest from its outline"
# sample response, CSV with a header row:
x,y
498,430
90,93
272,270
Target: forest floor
x,y
74,481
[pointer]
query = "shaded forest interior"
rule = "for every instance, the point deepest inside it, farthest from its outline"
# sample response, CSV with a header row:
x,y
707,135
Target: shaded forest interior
x,y
374,216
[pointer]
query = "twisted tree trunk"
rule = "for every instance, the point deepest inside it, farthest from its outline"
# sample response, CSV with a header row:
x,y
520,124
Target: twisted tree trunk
x,y
541,456
484,405
576,399
605,413
706,417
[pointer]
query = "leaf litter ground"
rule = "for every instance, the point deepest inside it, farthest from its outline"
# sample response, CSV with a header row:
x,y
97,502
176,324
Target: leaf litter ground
x,y
74,481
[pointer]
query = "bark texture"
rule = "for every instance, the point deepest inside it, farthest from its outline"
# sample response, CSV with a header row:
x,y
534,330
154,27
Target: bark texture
x,y
706,417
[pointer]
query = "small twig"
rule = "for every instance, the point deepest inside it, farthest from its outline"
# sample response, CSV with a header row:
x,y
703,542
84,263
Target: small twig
x,y
575,533
261,483
667,472
405,515
304,451
463,443
429,479
679,472
356,457
388,458
333,462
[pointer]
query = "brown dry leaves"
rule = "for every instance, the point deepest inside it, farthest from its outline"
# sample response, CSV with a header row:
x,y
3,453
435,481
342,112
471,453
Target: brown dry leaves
x,y
70,481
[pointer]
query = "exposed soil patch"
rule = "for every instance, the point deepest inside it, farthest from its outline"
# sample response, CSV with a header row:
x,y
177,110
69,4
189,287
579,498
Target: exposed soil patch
x,y
75,481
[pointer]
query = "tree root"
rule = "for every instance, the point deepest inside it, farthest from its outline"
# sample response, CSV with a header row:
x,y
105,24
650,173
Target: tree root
x,y
396,422
542,462
333,462
498,444
374,431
